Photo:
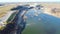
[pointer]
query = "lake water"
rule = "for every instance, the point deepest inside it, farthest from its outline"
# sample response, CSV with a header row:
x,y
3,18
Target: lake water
x,y
41,23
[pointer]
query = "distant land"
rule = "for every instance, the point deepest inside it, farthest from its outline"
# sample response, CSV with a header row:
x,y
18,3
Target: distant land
x,y
47,7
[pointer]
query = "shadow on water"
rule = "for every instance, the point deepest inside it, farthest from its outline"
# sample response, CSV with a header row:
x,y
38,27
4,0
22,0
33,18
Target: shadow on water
x,y
20,23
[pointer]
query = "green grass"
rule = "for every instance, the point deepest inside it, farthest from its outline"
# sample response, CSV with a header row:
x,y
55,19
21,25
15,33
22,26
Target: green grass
x,y
11,17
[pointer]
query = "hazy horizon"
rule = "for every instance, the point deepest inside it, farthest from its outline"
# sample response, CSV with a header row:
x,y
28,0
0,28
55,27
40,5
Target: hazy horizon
x,y
3,1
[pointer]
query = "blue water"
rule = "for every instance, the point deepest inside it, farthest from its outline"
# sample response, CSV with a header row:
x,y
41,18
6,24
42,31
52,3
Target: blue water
x,y
46,25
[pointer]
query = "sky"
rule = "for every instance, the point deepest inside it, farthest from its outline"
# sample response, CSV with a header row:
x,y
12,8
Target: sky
x,y
29,0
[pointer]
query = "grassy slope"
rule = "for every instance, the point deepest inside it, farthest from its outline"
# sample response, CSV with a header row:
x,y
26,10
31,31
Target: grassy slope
x,y
5,9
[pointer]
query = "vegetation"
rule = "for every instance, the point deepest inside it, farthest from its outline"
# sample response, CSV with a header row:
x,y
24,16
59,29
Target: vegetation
x,y
5,9
11,17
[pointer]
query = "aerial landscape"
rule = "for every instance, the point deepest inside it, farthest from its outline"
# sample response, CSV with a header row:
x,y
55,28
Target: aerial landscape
x,y
30,18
